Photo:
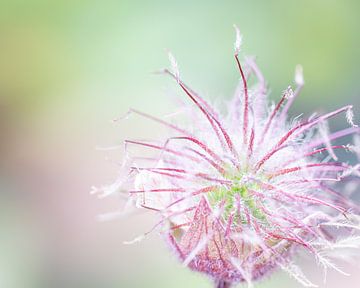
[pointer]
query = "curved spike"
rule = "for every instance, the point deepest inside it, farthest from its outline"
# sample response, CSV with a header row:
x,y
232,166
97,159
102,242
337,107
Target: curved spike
x,y
288,94
214,122
299,129
246,100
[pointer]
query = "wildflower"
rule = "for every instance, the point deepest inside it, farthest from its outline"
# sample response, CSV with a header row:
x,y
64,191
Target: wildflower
x,y
239,195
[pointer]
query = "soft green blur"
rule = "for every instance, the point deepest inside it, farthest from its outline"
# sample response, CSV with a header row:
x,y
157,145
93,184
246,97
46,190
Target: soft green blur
x,y
67,68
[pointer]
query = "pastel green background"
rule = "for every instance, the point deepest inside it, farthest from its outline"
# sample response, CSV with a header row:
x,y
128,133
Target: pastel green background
x,y
67,68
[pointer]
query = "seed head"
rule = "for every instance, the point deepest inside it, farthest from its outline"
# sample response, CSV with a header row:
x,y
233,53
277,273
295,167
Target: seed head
x,y
238,195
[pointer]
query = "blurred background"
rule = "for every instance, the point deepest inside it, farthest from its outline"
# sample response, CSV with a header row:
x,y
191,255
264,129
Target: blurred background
x,y
67,68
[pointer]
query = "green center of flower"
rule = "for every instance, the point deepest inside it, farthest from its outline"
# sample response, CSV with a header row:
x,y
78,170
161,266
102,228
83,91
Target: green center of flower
x,y
230,195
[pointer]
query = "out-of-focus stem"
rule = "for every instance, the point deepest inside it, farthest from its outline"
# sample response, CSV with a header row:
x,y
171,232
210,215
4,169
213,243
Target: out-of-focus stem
x,y
222,284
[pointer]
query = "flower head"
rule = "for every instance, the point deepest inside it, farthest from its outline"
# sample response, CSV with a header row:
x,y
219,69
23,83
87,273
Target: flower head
x,y
238,195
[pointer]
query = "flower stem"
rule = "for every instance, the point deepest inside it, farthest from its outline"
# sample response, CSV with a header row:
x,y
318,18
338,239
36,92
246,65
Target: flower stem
x,y
222,284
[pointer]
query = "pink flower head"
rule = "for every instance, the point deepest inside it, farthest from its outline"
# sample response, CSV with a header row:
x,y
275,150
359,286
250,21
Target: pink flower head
x,y
238,195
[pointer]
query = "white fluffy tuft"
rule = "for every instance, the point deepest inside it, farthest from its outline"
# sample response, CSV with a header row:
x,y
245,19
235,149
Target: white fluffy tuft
x,y
238,41
299,75
350,117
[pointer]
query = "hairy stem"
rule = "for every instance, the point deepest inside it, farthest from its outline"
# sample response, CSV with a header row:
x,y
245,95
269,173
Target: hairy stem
x,y
222,284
